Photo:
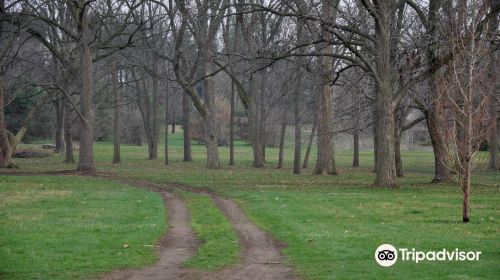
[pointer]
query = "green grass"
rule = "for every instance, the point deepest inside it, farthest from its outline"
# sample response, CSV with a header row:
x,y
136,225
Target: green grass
x,y
219,246
333,224
75,228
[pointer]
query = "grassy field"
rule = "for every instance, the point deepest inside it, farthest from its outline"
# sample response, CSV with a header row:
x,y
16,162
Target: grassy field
x,y
73,228
332,224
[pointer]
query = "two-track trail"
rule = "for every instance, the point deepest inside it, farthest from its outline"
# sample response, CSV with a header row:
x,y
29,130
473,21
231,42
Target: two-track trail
x,y
261,257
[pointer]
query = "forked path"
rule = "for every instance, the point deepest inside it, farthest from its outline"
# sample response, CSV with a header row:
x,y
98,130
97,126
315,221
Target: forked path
x,y
261,256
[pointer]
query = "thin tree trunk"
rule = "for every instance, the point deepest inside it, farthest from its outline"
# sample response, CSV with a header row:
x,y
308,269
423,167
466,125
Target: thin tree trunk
x,y
262,113
68,138
166,128
282,139
355,137
309,146
186,126
231,126
116,119
173,118
59,109
298,103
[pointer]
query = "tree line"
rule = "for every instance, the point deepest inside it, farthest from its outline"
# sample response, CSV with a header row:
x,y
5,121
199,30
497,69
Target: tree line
x,y
364,64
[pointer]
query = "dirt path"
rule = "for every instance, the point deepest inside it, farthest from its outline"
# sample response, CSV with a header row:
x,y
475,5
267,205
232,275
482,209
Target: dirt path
x,y
177,246
262,258
261,254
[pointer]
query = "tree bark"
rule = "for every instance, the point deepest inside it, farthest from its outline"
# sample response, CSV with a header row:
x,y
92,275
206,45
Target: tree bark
x,y
253,119
282,139
59,110
213,161
116,118
262,113
68,138
325,158
186,126
384,107
5,149
355,137
434,124
398,129
494,105
86,159
166,129
231,126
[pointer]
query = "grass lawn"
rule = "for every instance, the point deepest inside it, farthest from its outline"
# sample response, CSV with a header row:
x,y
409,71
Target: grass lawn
x,y
332,224
74,228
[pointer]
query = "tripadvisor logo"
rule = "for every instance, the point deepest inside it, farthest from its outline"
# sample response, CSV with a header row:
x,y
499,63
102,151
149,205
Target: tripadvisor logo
x,y
386,255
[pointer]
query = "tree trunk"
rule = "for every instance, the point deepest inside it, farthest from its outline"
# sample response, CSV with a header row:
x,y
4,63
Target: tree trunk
x,y
59,110
282,139
5,150
166,128
186,126
86,159
116,118
494,104
434,123
209,119
355,137
231,126
398,130
173,118
299,103
155,133
262,113
309,146
434,116
325,159
253,119
384,107
68,139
